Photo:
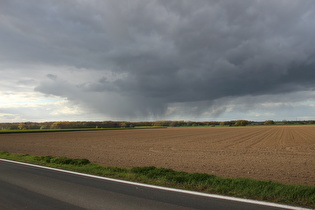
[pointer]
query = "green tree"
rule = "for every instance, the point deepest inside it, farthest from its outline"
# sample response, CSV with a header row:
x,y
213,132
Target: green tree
x,y
22,126
269,122
123,124
173,124
241,123
224,123
44,127
55,125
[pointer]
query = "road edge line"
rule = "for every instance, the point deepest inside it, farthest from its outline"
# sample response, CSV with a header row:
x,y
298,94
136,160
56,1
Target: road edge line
x,y
243,200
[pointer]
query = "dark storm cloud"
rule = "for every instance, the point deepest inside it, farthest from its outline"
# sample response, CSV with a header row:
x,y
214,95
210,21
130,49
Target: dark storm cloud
x,y
164,52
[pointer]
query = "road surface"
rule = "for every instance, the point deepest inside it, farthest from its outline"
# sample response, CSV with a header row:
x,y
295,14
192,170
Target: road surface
x,y
31,187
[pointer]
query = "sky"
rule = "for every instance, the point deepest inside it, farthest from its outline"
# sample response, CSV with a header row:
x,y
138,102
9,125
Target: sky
x,y
145,60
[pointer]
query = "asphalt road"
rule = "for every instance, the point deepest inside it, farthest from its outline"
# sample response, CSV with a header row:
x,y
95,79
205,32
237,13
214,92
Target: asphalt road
x,y
29,187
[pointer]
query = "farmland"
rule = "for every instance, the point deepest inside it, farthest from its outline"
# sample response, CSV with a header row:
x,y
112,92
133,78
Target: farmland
x,y
279,153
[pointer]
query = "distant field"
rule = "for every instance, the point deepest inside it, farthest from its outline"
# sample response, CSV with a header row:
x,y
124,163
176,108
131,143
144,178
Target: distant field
x,y
280,153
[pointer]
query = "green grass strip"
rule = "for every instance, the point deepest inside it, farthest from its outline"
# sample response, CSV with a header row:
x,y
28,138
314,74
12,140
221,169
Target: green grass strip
x,y
298,195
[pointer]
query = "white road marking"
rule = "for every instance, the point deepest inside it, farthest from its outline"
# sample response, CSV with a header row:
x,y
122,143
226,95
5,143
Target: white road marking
x,y
263,203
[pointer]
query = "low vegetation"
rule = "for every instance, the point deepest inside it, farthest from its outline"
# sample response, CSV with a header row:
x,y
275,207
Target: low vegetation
x,y
75,129
124,124
246,188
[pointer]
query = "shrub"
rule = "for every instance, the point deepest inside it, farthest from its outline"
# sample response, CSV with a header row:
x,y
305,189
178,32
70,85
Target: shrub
x,y
46,159
69,161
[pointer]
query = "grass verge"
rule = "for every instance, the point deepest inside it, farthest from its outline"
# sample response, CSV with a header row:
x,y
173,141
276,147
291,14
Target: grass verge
x,y
298,195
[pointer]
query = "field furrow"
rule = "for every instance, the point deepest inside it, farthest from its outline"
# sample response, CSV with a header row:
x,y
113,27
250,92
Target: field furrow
x,y
279,153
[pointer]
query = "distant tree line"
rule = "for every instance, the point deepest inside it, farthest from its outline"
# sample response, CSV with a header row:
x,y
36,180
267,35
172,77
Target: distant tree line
x,y
235,123
65,125
98,124
125,124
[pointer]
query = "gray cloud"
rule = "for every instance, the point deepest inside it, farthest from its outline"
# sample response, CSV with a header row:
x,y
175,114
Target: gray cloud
x,y
153,56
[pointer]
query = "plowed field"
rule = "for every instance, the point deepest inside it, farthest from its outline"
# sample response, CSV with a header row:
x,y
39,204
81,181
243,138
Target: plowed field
x,y
285,154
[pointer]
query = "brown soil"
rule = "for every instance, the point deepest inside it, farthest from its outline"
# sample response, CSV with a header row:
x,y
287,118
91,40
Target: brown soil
x,y
285,154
